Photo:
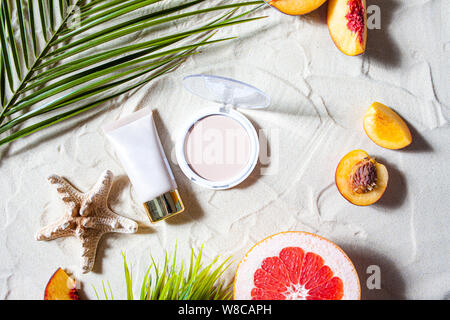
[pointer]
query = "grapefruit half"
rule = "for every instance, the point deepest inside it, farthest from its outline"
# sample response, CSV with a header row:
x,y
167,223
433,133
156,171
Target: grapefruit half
x,y
296,265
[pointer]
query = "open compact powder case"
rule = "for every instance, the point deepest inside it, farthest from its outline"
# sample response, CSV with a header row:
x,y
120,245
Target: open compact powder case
x,y
218,148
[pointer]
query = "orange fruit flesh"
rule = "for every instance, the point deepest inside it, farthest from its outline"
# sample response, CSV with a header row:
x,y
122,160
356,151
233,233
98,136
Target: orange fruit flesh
x,y
343,175
296,7
347,23
386,128
296,265
279,276
61,287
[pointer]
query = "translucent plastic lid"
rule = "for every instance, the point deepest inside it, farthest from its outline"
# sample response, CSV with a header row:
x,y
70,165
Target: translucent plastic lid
x,y
226,91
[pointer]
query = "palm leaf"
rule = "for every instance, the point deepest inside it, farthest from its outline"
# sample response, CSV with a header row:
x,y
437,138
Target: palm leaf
x,y
55,71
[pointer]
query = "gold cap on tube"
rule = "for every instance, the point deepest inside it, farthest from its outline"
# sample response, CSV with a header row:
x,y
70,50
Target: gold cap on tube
x,y
164,206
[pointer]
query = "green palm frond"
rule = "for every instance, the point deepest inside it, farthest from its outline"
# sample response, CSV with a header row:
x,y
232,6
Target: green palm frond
x,y
173,282
61,58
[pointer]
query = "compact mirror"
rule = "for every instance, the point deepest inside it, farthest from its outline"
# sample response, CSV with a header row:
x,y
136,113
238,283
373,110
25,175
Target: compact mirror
x,y
218,148
226,91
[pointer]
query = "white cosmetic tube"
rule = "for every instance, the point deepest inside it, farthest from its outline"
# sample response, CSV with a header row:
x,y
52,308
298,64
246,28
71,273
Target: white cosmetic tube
x,y
139,149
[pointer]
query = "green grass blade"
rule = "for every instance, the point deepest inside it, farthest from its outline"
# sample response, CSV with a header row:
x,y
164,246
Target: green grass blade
x,y
177,285
128,277
210,278
172,283
96,293
160,280
104,290
191,264
145,284
166,288
110,291
169,286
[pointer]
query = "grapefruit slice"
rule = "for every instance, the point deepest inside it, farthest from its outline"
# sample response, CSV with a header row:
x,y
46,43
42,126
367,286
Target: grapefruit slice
x,y
296,265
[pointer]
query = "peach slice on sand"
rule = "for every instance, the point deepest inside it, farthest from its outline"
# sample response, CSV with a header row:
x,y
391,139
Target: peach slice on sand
x,y
296,7
61,287
360,179
347,23
386,128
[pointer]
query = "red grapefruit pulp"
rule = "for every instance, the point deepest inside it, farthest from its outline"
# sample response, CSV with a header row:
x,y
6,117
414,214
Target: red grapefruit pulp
x,y
296,266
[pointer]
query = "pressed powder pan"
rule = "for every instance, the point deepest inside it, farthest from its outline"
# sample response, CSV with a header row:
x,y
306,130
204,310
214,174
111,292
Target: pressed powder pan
x,y
218,148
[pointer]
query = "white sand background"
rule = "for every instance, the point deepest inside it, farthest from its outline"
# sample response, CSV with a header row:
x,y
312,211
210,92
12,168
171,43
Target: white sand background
x,y
319,97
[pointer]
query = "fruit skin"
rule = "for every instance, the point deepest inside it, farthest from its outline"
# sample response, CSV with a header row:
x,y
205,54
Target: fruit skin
x,y
61,287
347,41
342,178
296,7
299,232
386,128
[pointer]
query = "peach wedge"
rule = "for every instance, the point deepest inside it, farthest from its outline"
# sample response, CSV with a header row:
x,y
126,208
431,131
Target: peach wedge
x,y
386,128
61,287
347,23
360,179
296,7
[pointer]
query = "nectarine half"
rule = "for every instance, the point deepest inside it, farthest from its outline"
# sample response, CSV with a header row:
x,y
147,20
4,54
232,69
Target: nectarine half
x,y
386,128
296,7
360,179
61,287
347,23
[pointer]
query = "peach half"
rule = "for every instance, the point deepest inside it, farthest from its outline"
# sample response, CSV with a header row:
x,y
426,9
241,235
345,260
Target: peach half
x,y
360,179
347,23
296,7
61,287
386,128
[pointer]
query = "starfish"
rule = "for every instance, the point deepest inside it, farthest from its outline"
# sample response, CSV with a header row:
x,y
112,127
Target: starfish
x,y
87,217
